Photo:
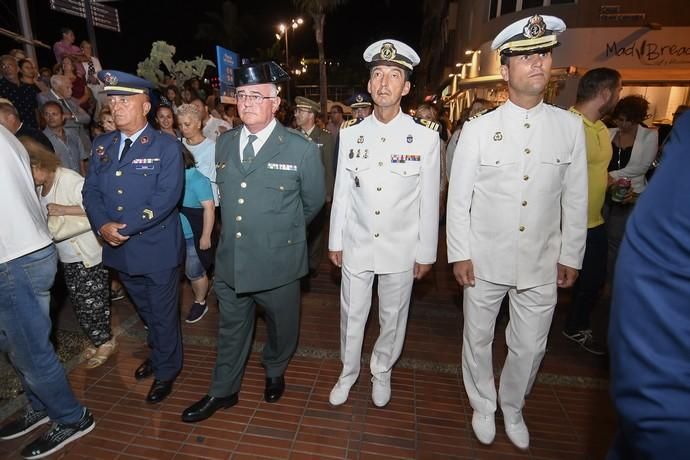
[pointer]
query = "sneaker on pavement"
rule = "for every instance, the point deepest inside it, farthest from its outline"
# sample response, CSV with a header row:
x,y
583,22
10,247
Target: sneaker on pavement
x,y
517,432
28,422
587,341
380,391
339,393
59,436
484,427
196,312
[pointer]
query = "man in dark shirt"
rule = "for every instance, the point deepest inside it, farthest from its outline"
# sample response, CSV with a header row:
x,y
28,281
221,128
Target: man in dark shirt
x,y
22,96
9,118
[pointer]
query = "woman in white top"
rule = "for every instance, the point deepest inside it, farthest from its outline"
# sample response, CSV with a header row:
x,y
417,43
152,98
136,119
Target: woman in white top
x,y
87,282
189,120
634,148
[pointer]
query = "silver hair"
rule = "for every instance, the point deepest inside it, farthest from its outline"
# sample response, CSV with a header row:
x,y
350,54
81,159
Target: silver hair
x,y
190,110
57,79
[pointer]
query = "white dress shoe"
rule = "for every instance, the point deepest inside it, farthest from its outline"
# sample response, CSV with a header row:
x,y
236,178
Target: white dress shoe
x,y
339,394
380,391
517,433
484,427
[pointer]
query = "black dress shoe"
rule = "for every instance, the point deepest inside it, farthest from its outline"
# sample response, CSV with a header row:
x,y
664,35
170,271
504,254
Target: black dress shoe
x,y
144,371
275,386
206,407
160,389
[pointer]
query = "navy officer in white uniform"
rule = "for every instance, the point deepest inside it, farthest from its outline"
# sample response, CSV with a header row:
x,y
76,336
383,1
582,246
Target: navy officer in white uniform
x,y
384,218
516,225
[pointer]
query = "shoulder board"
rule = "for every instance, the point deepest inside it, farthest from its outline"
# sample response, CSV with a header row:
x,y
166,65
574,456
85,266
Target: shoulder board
x,y
351,122
483,112
298,132
228,131
432,125
325,130
556,106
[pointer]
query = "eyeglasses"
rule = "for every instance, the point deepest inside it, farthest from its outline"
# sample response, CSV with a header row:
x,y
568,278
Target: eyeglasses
x,y
255,98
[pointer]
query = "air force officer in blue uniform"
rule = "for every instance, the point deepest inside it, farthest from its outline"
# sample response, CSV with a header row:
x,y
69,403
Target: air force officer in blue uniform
x,y
131,193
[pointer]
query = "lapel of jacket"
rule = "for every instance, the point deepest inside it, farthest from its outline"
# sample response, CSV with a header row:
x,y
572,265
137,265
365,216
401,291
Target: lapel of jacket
x,y
139,146
233,146
110,143
270,149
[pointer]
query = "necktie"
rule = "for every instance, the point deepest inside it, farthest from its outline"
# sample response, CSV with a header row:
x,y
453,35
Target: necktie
x,y
128,144
92,69
248,152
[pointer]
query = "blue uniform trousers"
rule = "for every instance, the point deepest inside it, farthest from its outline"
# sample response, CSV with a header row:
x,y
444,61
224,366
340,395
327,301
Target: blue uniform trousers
x,y
156,296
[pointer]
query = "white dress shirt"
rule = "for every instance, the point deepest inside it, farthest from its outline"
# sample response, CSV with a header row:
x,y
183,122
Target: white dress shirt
x,y
261,138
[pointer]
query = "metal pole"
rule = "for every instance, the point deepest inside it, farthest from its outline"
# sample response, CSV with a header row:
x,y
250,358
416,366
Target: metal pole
x,y
287,64
25,28
88,10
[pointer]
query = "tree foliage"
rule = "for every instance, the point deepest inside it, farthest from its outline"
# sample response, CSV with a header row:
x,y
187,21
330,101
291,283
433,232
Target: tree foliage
x,y
318,9
162,55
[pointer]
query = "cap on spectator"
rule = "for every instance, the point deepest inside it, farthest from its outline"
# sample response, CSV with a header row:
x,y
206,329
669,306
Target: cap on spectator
x,y
391,52
258,73
529,36
308,104
123,84
359,100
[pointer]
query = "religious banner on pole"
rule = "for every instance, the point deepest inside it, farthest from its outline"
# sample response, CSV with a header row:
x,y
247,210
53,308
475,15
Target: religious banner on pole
x,y
227,60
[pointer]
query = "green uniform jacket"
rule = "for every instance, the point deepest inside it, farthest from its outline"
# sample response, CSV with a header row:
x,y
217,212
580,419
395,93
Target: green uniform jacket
x,y
326,142
265,209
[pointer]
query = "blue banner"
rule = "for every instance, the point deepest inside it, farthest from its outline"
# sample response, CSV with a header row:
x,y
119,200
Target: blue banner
x,y
226,60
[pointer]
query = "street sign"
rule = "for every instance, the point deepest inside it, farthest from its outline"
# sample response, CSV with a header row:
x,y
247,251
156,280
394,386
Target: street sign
x,y
105,17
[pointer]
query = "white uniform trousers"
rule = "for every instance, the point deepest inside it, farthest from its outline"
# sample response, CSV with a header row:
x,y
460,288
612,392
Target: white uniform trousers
x,y
394,291
531,311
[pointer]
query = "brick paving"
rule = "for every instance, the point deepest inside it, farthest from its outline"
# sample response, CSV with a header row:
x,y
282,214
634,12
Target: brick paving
x,y
569,412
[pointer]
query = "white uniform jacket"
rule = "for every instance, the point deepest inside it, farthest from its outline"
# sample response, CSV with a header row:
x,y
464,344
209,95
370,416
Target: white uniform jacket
x,y
384,215
517,201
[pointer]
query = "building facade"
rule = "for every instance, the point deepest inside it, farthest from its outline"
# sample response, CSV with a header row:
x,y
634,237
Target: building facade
x,y
648,41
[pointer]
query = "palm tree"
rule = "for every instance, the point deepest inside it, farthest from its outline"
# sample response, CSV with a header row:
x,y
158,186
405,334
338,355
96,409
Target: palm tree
x,y
318,9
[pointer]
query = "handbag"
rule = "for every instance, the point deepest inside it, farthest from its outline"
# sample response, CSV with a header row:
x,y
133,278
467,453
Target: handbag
x,y
62,228
65,227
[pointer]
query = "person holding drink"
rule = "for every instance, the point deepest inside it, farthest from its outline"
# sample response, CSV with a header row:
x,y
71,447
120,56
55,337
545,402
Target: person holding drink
x,y
634,148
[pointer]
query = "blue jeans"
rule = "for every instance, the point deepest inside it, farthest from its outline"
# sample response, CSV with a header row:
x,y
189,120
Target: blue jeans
x,y
193,269
25,333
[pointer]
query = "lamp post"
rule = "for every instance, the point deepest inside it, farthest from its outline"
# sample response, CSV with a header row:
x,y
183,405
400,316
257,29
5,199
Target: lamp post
x,y
294,24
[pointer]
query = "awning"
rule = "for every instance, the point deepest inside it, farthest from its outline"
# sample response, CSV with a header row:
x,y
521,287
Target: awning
x,y
655,76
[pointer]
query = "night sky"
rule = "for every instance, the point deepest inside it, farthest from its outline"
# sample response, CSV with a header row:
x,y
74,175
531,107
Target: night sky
x,y
349,29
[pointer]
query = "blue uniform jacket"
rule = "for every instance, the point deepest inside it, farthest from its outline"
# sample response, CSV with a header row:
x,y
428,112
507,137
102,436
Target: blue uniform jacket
x,y
649,333
142,190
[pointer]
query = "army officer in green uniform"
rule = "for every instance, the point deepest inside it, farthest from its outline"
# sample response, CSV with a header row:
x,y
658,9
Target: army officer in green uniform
x,y
306,112
271,185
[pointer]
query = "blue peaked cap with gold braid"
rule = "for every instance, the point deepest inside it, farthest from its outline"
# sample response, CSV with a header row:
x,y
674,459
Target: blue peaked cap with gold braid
x,y
123,84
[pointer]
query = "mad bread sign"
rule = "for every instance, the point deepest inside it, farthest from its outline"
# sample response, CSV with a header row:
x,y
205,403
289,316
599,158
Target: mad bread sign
x,y
653,53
